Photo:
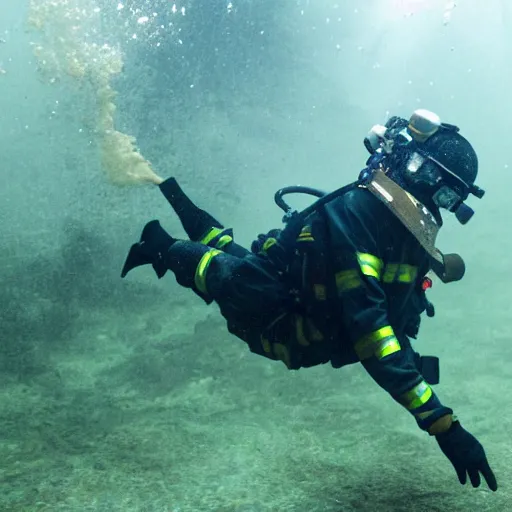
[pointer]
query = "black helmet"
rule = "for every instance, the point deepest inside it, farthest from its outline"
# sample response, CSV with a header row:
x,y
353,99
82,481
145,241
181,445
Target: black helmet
x,y
430,159
456,157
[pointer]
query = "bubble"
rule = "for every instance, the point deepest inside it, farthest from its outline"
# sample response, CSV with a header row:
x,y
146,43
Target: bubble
x,y
66,52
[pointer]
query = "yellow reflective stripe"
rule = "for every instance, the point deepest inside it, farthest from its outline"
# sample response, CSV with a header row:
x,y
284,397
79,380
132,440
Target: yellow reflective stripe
x,y
390,272
374,267
312,335
223,241
348,280
214,232
269,242
407,273
370,264
282,353
202,267
320,291
266,345
401,272
305,235
210,235
419,395
299,331
380,343
387,347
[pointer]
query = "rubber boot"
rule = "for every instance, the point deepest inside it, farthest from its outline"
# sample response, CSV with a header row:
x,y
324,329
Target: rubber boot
x,y
151,249
195,221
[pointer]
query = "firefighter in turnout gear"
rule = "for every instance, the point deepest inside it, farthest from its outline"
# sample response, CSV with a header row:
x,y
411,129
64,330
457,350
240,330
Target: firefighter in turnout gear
x,y
344,280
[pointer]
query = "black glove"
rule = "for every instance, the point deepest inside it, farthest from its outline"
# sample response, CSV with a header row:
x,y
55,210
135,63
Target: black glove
x,y
467,456
153,245
257,245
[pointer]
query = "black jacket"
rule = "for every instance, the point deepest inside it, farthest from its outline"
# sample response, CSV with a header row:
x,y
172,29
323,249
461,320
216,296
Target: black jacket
x,y
376,269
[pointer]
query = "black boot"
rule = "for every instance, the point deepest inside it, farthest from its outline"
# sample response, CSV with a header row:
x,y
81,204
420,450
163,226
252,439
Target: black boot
x,y
196,222
152,249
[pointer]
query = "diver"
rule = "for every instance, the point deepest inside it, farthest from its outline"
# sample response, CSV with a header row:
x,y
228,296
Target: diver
x,y
345,280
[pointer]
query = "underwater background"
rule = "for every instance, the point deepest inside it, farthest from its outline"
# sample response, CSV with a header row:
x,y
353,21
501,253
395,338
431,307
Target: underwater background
x,y
130,395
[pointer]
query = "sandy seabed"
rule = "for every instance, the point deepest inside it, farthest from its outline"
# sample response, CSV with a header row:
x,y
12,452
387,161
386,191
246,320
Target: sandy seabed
x,y
160,412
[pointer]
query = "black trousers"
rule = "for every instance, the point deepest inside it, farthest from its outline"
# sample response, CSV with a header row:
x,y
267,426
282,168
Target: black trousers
x,y
254,297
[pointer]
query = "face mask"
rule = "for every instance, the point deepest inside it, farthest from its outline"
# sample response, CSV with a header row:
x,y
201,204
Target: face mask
x,y
427,178
421,172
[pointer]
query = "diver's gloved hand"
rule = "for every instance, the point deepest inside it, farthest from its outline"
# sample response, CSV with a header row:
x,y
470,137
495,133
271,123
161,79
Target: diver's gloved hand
x,y
257,245
151,249
467,456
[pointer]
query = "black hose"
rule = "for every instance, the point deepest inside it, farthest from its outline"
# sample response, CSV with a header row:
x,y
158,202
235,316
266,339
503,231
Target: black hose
x,y
322,197
294,189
